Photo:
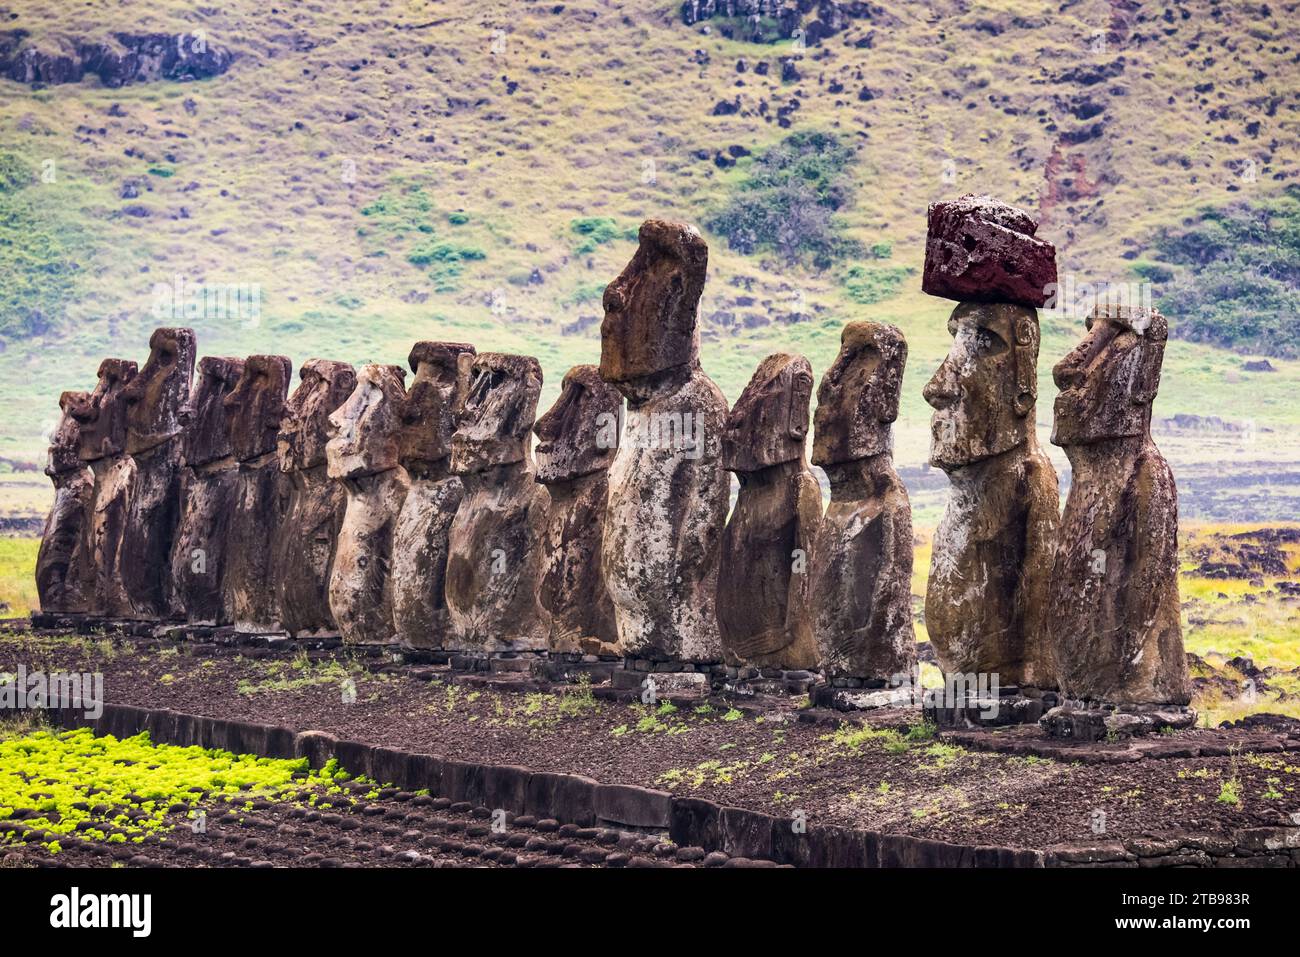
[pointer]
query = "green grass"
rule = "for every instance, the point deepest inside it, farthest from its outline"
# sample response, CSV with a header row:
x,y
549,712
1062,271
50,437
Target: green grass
x,y
18,575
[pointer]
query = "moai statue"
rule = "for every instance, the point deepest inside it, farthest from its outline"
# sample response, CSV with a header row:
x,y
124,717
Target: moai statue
x,y
209,483
861,589
101,417
992,552
60,573
304,550
768,542
668,491
254,411
154,399
362,454
1114,587
420,542
576,442
496,541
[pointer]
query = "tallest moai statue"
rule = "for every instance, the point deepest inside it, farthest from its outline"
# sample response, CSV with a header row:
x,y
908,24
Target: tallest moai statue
x,y
987,594
667,488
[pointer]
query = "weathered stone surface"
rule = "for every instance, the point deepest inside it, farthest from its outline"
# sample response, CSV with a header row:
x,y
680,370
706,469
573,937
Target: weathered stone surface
x,y
494,568
254,410
577,440
101,418
304,549
766,547
978,249
987,595
420,538
154,399
668,491
60,573
209,480
362,455
1114,602
860,597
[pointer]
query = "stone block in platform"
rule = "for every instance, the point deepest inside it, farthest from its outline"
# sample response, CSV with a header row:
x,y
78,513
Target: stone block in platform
x,y
1098,723
985,711
861,699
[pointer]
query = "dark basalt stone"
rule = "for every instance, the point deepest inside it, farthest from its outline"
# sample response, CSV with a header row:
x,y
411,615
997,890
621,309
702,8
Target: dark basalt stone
x,y
61,576
978,249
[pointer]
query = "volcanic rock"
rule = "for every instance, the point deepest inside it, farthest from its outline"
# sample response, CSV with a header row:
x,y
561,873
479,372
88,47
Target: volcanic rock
x,y
980,250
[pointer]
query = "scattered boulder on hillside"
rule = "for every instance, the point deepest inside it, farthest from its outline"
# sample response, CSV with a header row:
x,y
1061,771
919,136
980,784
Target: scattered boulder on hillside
x,y
125,58
1258,365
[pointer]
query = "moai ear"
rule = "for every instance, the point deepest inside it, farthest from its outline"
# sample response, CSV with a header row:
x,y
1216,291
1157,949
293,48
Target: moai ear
x,y
800,399
1026,351
1146,383
464,365
892,371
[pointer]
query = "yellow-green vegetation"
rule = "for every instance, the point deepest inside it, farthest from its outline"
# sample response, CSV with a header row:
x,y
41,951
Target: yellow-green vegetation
x,y
119,791
299,673
534,711
18,576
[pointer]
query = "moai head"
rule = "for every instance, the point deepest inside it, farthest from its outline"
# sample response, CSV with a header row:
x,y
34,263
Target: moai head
x,y
207,437
769,423
429,413
102,414
65,440
651,308
256,405
363,430
1109,380
323,386
155,396
983,393
858,397
498,412
579,434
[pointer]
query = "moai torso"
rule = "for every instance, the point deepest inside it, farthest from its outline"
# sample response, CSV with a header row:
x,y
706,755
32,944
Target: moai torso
x,y
101,417
1115,617
209,481
304,550
60,563
362,456
767,544
861,589
576,442
668,491
420,540
254,410
154,428
991,558
496,540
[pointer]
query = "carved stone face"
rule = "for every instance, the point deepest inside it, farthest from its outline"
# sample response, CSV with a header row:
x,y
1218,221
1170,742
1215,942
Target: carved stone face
x,y
497,416
983,393
429,414
65,442
207,437
1110,379
155,396
256,405
579,434
651,308
769,423
858,397
363,430
102,415
323,386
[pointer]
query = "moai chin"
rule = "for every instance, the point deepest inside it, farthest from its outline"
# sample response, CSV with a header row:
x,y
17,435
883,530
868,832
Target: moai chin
x,y
154,428
254,410
362,455
209,484
987,594
768,542
496,540
668,492
101,420
61,575
576,442
1115,619
420,538
304,550
860,593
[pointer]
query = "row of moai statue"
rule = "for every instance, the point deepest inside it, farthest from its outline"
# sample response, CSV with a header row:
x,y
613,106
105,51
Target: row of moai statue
x,y
425,516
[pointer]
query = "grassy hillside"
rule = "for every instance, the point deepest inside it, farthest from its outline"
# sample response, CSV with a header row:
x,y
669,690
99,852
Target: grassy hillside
x,y
388,171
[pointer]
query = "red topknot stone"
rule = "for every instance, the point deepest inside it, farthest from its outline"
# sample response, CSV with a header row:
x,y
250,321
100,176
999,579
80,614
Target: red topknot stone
x,y
978,249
